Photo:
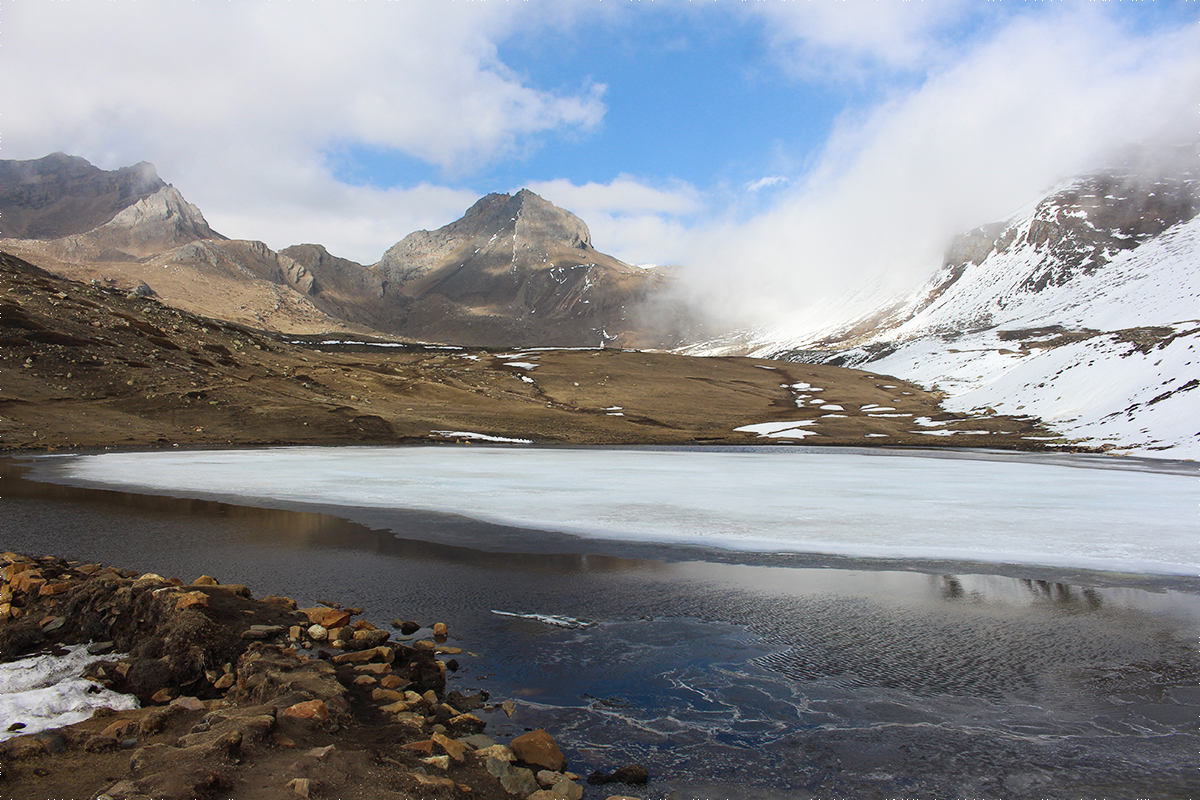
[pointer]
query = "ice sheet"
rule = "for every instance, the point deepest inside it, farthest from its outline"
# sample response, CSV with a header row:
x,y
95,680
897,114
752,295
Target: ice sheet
x,y
857,504
46,692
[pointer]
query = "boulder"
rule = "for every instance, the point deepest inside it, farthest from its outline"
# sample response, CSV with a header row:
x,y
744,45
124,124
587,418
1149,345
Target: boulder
x,y
538,748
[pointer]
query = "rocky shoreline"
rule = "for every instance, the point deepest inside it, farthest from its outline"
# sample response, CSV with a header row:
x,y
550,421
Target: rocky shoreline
x,y
255,697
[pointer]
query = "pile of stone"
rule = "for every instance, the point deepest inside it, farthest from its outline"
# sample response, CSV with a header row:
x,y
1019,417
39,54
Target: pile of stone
x,y
238,691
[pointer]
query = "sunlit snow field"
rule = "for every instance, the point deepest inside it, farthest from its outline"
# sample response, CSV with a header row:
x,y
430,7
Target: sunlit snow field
x,y
767,500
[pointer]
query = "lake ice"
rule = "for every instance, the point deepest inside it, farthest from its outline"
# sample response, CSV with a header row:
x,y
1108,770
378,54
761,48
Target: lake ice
x,y
768,500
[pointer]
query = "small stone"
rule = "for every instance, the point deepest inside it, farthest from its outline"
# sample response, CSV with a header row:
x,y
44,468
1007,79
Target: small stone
x,y
425,746
374,669
395,708
409,627
161,696
188,703
496,751
191,599
309,709
225,681
385,654
509,708
455,750
54,624
282,741
320,752
519,781
328,617
568,789
205,580
58,587
634,774
441,762
539,749
366,680
392,682
295,633
277,600
121,729
301,786
440,629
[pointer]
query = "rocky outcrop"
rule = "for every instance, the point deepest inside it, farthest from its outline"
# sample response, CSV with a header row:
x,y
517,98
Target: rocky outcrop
x,y
152,225
61,195
517,270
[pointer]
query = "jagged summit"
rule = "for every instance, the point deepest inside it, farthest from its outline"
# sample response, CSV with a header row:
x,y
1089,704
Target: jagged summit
x,y
60,195
515,268
499,233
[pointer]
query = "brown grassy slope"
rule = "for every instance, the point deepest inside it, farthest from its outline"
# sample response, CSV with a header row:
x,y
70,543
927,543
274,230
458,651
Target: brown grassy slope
x,y
84,366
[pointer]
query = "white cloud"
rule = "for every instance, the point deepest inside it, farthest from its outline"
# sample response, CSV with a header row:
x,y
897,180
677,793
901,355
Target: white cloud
x,y
239,99
1045,97
766,183
630,219
851,39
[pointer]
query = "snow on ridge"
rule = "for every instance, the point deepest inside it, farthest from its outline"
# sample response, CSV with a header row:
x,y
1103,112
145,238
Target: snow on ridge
x,y
1093,329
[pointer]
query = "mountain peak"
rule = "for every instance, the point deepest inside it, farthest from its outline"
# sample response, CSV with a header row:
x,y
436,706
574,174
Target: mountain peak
x,y
60,195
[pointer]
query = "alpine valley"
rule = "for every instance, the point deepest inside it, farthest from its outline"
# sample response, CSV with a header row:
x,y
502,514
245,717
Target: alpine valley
x,y
1081,309
1073,323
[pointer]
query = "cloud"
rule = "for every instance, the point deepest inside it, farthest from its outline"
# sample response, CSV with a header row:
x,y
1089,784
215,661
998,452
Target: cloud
x,y
243,98
834,38
629,219
1042,98
766,183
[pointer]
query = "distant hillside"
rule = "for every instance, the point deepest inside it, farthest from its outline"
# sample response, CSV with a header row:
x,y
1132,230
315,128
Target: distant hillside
x,y
1083,310
514,271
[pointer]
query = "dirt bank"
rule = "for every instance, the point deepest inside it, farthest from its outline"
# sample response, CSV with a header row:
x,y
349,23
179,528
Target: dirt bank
x,y
85,366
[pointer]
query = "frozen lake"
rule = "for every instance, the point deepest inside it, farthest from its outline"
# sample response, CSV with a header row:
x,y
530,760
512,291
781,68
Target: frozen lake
x,y
731,672
1054,511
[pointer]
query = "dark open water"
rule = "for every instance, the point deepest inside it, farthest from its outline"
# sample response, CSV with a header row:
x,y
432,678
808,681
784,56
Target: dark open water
x,y
820,678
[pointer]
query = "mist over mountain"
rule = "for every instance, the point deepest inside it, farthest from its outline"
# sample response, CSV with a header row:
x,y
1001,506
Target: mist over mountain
x,y
60,195
1082,309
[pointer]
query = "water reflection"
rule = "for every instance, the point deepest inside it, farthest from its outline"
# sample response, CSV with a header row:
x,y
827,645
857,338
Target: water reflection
x,y
413,535
816,677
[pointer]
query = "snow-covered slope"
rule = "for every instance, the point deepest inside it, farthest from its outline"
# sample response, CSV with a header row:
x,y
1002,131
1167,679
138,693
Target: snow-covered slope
x,y
1083,309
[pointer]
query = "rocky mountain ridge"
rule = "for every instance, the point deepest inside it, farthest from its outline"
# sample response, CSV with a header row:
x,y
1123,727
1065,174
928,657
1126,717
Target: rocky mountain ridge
x,y
1082,309
61,195
514,271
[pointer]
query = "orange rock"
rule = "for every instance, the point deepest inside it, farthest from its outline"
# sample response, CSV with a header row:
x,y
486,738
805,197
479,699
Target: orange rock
x,y
31,585
456,750
205,580
196,598
420,747
310,709
328,618
58,587
385,654
440,629
161,696
122,729
539,748
225,681
392,682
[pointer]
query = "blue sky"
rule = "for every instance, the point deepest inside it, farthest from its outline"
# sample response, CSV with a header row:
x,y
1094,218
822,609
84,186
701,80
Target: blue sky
x,y
758,139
